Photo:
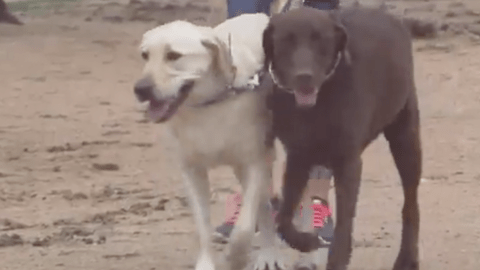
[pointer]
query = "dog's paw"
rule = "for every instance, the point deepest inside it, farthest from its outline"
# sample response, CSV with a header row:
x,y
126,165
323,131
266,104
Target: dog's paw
x,y
300,266
405,263
311,260
269,259
205,263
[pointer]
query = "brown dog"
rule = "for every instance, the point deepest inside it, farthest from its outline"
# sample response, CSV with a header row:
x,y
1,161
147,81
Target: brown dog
x,y
342,79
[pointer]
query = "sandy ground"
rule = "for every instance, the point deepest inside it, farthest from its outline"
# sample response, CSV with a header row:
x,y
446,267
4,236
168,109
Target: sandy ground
x,y
85,183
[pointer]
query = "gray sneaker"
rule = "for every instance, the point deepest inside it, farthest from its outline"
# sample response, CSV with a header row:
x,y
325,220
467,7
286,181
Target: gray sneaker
x,y
223,231
232,211
322,220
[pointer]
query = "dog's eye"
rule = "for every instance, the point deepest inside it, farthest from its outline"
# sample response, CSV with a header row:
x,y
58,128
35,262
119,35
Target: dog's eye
x,y
172,56
145,55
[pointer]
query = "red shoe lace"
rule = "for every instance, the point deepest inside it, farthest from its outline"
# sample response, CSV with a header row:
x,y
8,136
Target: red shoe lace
x,y
233,206
232,209
320,213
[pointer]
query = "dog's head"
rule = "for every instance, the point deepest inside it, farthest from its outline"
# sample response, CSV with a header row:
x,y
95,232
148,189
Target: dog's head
x,y
184,63
302,49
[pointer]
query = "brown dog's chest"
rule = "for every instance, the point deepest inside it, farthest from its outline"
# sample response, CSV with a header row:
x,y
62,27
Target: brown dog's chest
x,y
321,133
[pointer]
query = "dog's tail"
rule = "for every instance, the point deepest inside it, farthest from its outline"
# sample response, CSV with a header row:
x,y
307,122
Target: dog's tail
x,y
301,241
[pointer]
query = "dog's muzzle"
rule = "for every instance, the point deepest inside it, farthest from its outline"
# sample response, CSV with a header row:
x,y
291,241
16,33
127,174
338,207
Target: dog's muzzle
x,y
160,109
144,89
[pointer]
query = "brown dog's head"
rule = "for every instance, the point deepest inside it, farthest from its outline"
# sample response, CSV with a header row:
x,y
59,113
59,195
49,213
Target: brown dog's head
x,y
302,49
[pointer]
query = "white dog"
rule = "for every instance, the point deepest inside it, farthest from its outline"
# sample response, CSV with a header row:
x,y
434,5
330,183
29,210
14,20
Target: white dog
x,y
188,69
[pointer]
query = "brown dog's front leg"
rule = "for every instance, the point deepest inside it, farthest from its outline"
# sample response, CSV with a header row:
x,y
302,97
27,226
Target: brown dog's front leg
x,y
347,174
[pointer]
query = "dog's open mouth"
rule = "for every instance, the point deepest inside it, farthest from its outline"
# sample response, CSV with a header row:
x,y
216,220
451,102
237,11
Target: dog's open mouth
x,y
306,97
161,110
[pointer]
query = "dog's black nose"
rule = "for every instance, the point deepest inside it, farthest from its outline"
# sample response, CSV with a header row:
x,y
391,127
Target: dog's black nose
x,y
144,88
304,79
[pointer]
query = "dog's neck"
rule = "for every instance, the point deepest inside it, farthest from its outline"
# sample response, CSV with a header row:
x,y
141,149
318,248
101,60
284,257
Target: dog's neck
x,y
230,90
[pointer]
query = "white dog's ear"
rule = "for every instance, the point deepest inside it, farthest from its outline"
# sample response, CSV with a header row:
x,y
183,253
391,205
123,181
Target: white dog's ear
x,y
222,59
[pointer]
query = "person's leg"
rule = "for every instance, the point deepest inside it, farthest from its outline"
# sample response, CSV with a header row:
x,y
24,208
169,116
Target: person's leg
x,y
237,7
333,4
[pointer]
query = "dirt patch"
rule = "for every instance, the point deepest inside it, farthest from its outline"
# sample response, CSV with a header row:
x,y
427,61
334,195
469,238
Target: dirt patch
x,y
67,104
9,225
70,234
10,240
154,11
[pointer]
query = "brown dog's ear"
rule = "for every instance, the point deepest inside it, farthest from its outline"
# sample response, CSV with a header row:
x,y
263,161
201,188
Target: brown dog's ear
x,y
341,36
222,59
267,43
341,42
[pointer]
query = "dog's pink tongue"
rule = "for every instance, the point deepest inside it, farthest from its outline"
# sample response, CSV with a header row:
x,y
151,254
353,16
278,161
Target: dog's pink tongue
x,y
306,98
157,111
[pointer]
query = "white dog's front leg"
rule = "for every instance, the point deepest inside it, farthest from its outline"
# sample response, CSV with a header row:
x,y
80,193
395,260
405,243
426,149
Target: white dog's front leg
x,y
268,255
254,182
198,188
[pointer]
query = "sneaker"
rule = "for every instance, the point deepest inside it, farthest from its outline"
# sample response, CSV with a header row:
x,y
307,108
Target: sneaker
x,y
222,232
322,220
232,211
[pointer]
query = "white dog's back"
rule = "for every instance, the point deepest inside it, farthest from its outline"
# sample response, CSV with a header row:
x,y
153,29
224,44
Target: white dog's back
x,y
245,32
